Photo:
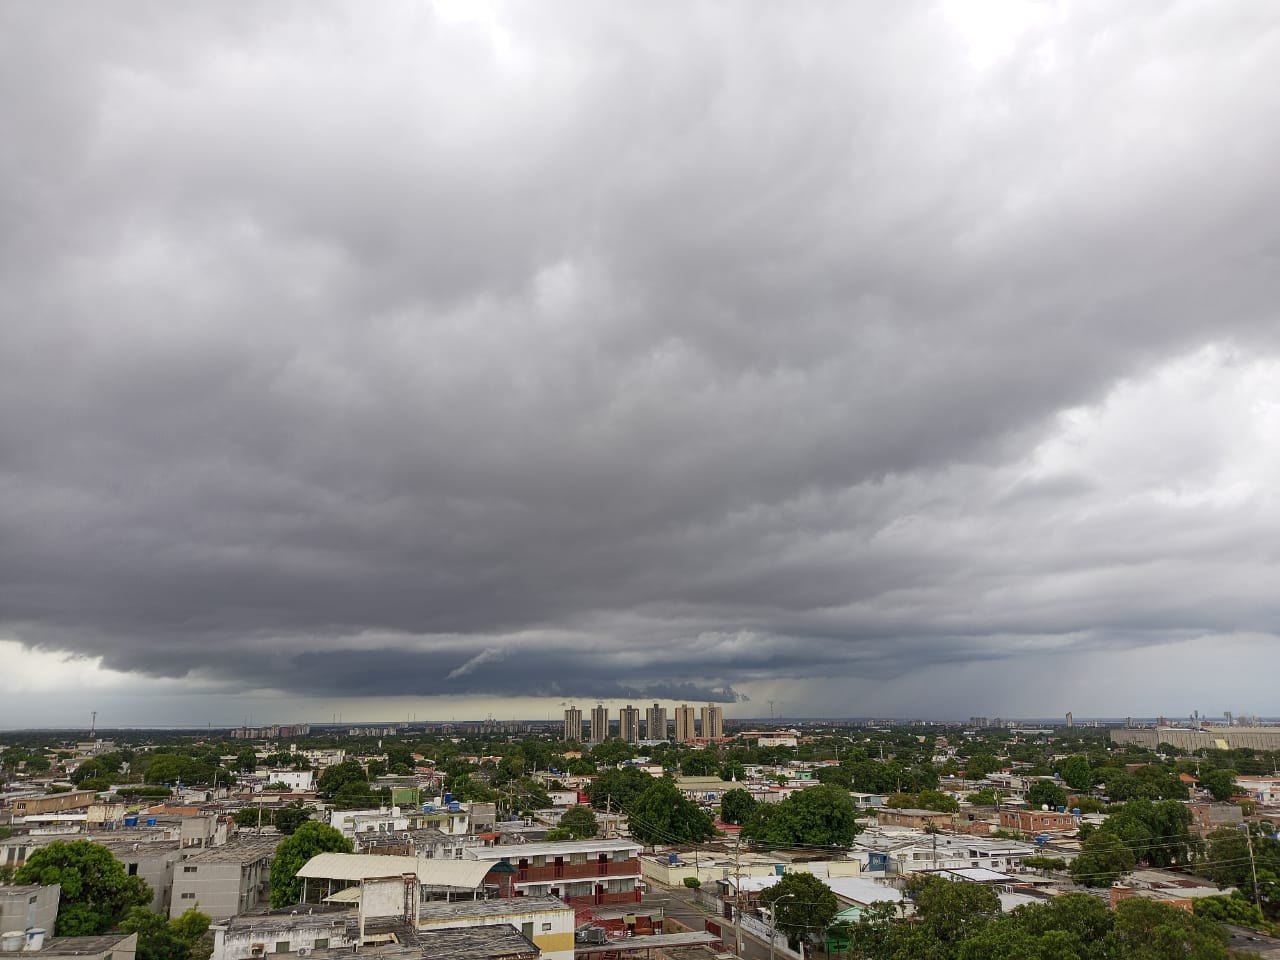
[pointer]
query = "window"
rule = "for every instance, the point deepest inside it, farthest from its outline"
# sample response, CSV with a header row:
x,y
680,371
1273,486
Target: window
x,y
187,896
190,869
33,899
133,869
546,928
321,943
282,946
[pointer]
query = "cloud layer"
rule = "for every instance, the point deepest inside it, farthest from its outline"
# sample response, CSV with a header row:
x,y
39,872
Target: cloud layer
x,y
468,350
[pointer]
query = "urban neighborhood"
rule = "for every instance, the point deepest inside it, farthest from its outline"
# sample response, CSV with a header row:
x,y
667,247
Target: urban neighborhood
x,y
655,831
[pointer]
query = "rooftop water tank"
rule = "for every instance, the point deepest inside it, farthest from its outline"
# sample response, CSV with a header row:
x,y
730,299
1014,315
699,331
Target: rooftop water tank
x,y
151,821
454,806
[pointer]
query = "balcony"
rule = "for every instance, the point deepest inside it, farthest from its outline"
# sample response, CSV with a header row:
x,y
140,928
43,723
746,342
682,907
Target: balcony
x,y
578,871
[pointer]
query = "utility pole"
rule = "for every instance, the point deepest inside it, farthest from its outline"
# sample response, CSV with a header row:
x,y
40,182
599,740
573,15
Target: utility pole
x,y
1253,867
737,893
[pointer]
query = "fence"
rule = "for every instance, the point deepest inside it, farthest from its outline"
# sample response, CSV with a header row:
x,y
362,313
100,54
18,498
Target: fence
x,y
762,931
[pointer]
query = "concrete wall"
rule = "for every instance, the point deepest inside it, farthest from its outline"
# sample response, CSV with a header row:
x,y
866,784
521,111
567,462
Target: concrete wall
x,y
29,906
551,930
309,933
154,866
219,888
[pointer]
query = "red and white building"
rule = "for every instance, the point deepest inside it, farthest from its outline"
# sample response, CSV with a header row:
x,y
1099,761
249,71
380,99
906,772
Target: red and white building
x,y
582,873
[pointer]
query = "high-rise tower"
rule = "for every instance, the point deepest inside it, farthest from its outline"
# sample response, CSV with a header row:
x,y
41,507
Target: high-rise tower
x,y
599,723
685,723
712,722
573,724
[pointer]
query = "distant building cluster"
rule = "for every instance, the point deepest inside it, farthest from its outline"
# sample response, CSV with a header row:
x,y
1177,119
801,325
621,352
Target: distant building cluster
x,y
272,732
688,729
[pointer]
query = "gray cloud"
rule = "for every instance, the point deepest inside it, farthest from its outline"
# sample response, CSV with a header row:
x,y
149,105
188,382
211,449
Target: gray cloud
x,y
619,352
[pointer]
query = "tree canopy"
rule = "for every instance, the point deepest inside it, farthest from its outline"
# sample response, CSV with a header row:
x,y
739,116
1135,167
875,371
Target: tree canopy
x,y
1046,793
96,890
803,906
618,789
817,816
308,840
962,921
1103,859
580,822
662,814
736,806
163,939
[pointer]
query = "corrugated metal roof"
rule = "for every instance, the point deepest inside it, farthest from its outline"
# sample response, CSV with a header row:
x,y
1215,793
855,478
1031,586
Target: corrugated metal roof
x,y
460,874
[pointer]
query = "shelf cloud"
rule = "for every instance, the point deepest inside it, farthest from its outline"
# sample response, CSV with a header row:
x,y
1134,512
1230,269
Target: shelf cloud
x,y
683,351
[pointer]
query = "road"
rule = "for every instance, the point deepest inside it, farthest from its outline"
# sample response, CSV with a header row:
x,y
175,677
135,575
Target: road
x,y
677,903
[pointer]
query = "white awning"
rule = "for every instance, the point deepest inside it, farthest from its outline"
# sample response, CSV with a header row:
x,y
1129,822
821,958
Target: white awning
x,y
456,874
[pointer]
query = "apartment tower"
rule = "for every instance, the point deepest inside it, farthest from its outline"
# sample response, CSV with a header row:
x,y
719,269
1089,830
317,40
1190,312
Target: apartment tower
x,y
599,723
629,724
712,722
573,724
655,723
685,719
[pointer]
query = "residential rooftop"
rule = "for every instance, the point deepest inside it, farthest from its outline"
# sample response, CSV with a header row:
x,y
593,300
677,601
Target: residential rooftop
x,y
497,907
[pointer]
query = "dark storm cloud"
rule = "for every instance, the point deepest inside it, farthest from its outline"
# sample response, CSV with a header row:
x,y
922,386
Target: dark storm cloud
x,y
656,352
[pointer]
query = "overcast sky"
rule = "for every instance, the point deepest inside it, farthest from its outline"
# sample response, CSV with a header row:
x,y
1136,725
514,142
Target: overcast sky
x,y
447,359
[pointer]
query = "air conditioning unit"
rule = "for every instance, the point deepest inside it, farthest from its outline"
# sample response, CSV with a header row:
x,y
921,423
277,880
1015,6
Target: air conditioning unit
x,y
304,951
258,949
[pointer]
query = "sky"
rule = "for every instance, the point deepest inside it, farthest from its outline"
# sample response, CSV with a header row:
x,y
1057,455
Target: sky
x,y
465,359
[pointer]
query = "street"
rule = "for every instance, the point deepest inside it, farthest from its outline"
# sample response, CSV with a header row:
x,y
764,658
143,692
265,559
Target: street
x,y
677,903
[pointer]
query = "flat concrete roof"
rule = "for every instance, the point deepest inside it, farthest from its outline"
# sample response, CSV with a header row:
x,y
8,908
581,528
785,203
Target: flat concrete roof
x,y
497,907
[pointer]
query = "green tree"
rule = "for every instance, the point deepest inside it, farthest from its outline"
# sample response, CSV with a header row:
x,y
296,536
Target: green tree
x,y
169,768
1076,772
952,911
983,798
733,771
1147,930
612,752
700,763
338,776
803,906
1045,793
736,806
156,938
979,765
289,819
1236,908
937,800
581,822
1103,859
1220,783
162,939
247,760
90,770
308,840
96,891
618,789
662,814
817,816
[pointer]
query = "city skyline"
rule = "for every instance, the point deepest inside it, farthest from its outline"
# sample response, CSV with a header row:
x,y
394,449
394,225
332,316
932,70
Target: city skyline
x,y
477,358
